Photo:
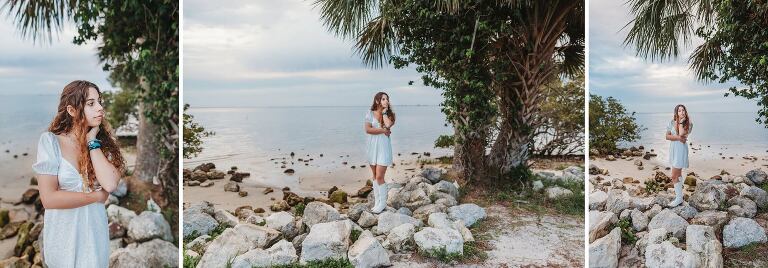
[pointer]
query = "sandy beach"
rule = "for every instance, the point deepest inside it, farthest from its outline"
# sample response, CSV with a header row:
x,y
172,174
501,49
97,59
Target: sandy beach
x,y
705,165
311,180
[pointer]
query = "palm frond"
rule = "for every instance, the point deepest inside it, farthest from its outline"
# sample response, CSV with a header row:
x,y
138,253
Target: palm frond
x,y
39,19
660,26
376,42
346,18
705,59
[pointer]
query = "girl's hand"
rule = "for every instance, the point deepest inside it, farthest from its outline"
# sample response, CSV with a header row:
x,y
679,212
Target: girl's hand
x,y
682,138
101,196
387,132
92,133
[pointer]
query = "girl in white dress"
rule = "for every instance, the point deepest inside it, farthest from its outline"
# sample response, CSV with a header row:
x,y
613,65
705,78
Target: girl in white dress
x,y
677,133
378,123
78,165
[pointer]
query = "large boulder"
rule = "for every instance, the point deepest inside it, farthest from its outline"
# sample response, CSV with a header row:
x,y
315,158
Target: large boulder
x,y
400,238
235,241
756,194
469,213
740,206
154,253
431,240
283,222
597,200
639,220
444,187
388,220
196,221
604,252
670,221
701,240
617,201
225,218
411,196
666,255
556,192
367,252
423,213
757,176
432,174
714,218
573,173
740,232
319,212
708,197
326,240
119,214
149,225
599,222
281,253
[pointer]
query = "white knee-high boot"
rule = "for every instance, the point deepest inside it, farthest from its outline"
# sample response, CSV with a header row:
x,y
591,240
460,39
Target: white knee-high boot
x,y
375,194
381,198
678,193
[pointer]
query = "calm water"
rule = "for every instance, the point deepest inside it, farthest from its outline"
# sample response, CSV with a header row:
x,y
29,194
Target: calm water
x,y
732,134
251,138
22,120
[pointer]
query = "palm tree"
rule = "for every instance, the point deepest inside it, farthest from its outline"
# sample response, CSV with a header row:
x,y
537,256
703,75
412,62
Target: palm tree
x,y
546,39
733,33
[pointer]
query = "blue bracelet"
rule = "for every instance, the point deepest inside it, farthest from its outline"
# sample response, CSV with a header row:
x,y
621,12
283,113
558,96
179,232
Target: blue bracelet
x,y
94,144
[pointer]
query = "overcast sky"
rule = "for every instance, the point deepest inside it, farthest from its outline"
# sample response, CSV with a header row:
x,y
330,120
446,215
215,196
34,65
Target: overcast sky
x,y
45,68
644,86
277,53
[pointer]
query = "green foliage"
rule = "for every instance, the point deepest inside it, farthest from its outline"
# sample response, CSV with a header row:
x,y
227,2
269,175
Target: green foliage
x,y
189,261
355,235
299,209
734,48
444,141
610,124
653,186
191,236
442,255
628,236
327,263
218,230
562,128
193,135
120,106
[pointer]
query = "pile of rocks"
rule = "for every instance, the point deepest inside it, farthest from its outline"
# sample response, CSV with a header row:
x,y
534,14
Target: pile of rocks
x,y
206,174
723,211
422,214
143,240
570,174
627,154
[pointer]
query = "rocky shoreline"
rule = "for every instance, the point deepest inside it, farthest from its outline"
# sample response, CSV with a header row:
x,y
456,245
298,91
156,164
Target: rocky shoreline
x,y
630,224
423,215
143,240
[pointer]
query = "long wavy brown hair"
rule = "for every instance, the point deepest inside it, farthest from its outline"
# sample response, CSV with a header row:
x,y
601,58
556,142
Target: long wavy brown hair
x,y
76,94
377,103
686,124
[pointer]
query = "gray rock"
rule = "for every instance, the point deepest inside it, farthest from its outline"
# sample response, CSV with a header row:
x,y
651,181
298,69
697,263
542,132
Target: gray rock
x,y
235,241
469,213
701,240
225,218
440,221
281,253
466,234
367,220
757,176
599,222
446,187
666,255
653,211
671,222
281,221
119,214
199,244
319,212
756,194
740,206
121,190
715,219
367,252
423,212
740,232
573,173
597,200
432,239
604,252
538,185
326,240
154,253
639,220
617,201
196,221
231,187
149,225
685,211
432,174
400,238
357,209
708,197
556,192
405,211
389,220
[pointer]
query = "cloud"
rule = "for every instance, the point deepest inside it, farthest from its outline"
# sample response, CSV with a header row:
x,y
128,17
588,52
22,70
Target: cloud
x,y
45,68
253,52
643,85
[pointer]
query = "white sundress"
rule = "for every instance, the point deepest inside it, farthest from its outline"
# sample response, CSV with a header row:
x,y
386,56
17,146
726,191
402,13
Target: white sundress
x,y
678,151
76,237
378,148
